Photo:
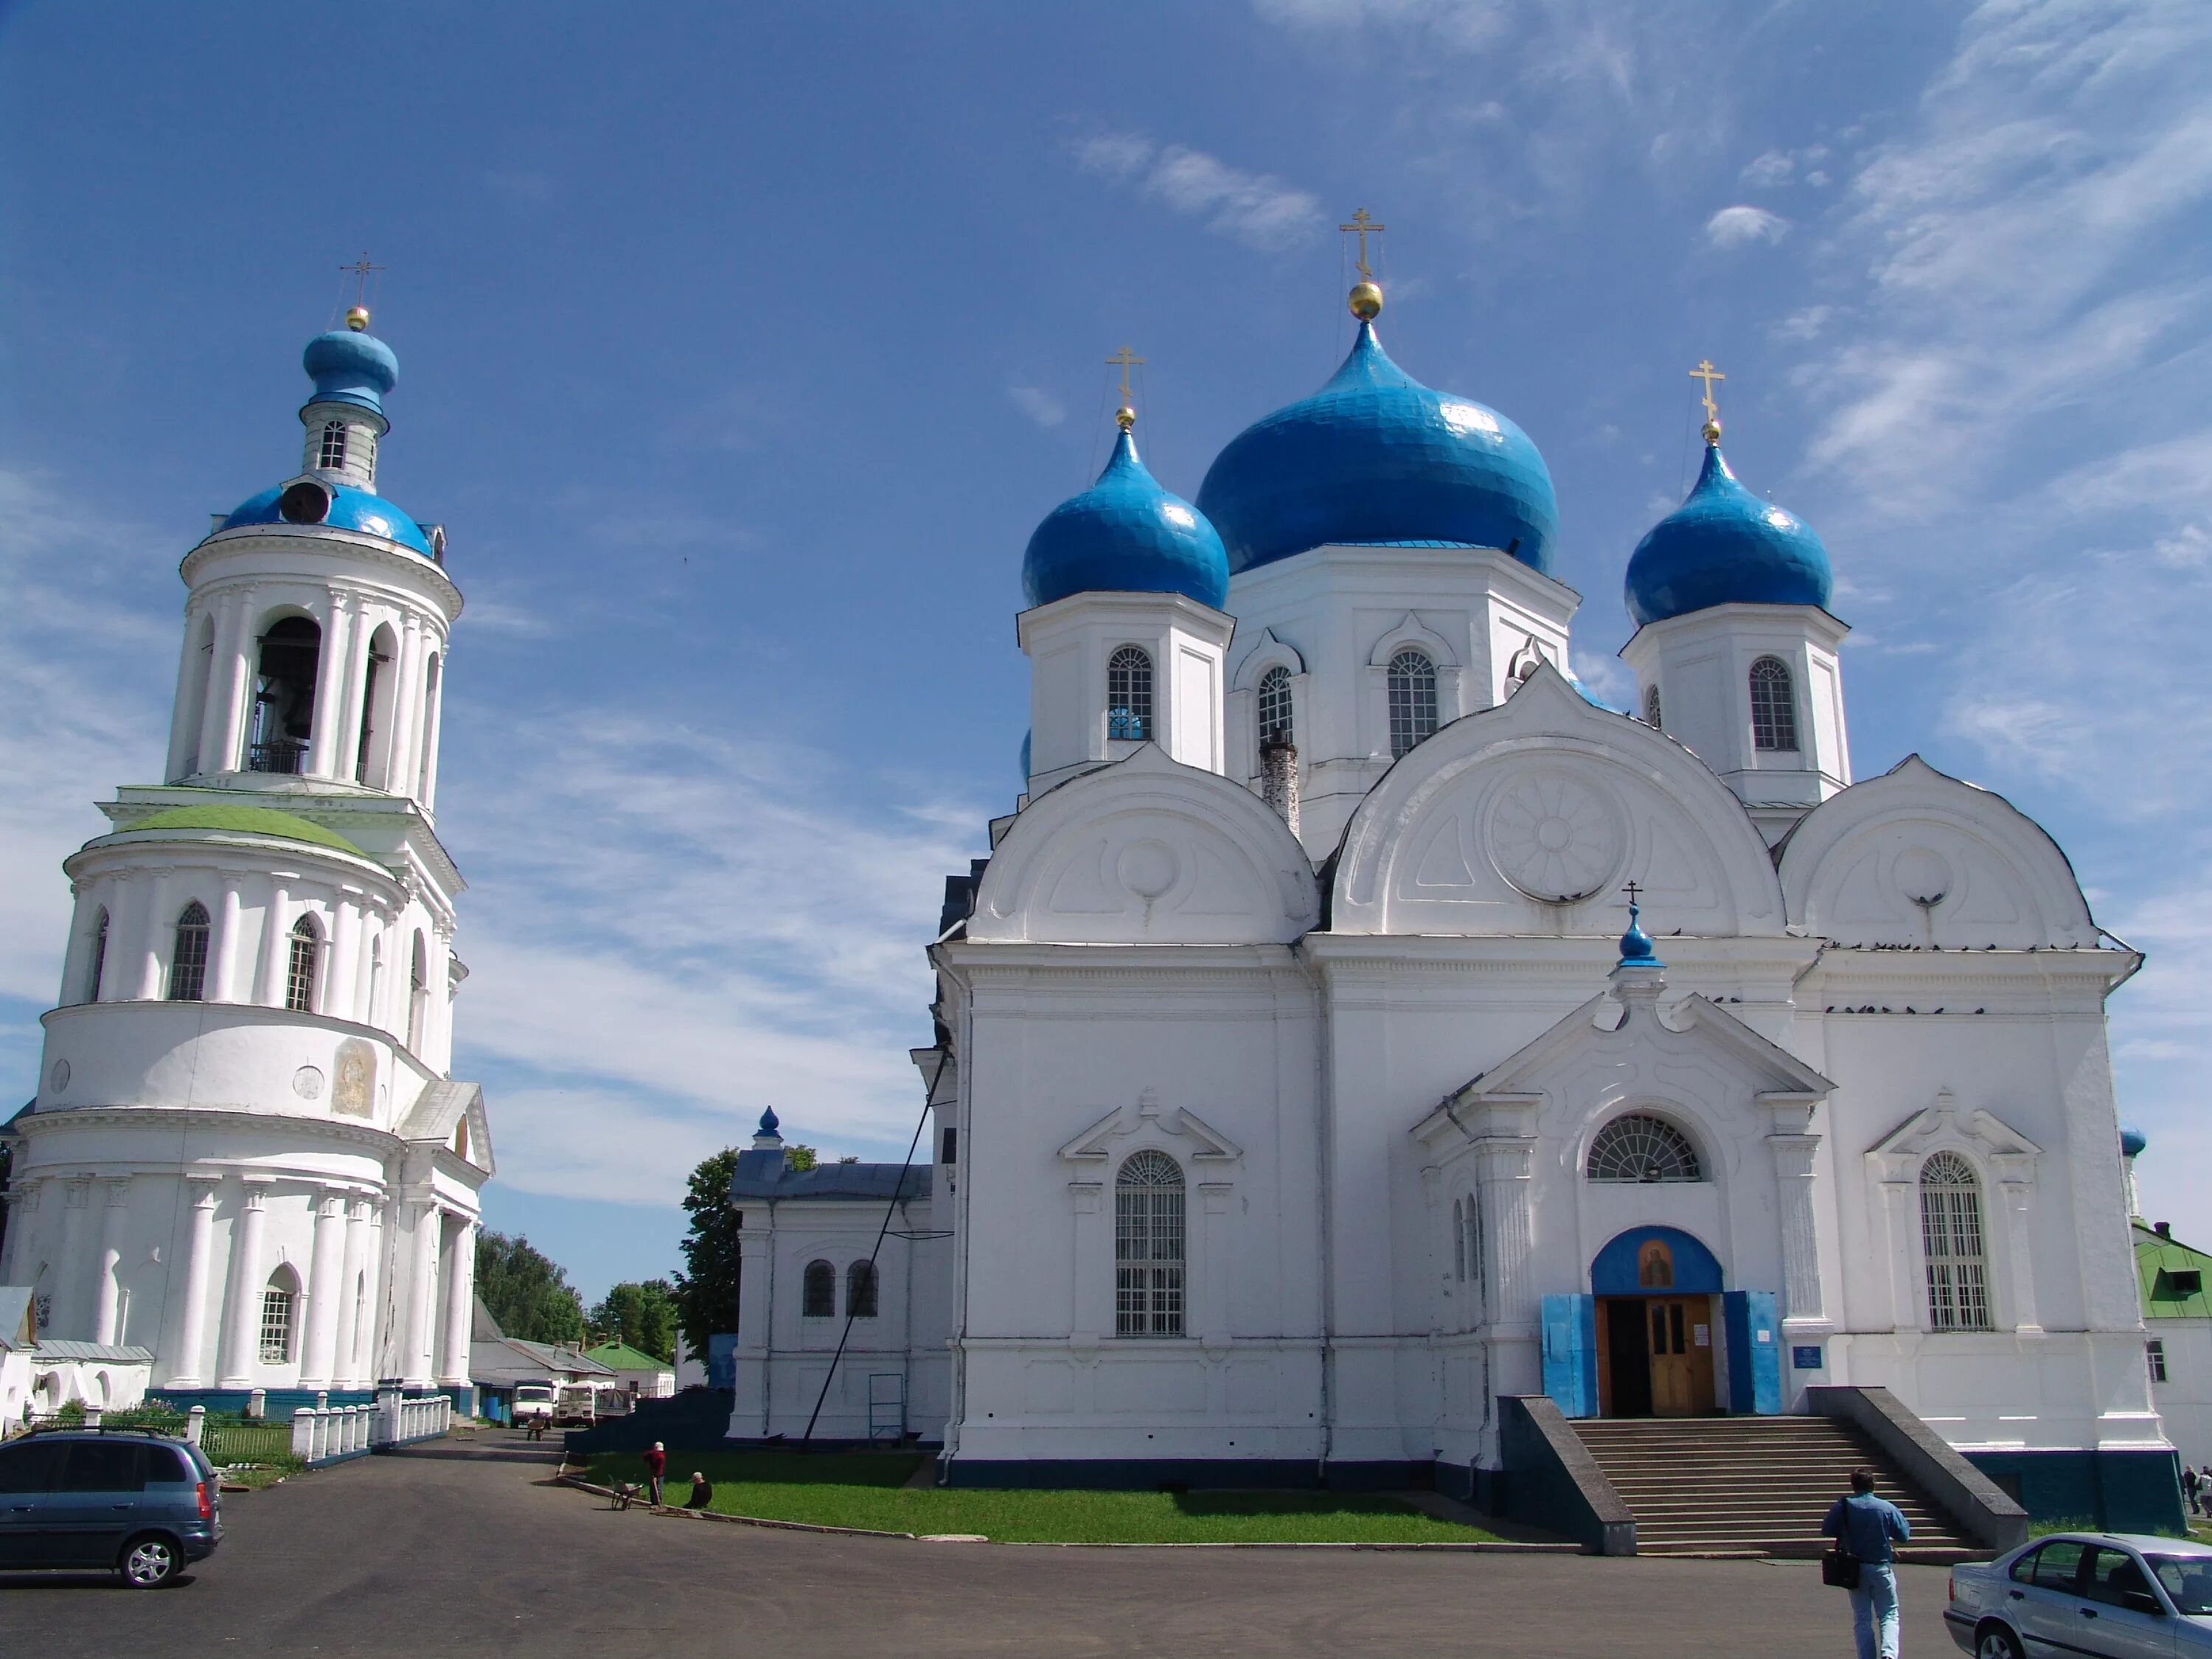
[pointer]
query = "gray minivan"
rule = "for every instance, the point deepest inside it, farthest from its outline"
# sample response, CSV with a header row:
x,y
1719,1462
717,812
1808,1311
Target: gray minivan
x,y
134,1503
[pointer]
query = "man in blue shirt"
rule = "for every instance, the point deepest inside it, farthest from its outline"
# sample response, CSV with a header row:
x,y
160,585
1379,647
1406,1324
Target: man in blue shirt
x,y
1867,1526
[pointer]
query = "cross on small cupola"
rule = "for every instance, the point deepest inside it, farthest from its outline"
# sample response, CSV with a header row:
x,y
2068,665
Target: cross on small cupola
x,y
1636,952
1126,416
357,316
1366,297
1705,371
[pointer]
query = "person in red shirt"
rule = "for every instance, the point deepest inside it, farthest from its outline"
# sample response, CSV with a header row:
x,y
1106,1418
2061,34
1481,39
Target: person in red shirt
x,y
656,1465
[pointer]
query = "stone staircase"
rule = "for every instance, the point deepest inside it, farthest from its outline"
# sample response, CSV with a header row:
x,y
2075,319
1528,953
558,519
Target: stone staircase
x,y
1756,1486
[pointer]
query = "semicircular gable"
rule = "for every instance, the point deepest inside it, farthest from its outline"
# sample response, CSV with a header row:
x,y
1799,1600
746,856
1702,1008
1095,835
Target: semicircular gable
x,y
1918,857
1147,852
1529,817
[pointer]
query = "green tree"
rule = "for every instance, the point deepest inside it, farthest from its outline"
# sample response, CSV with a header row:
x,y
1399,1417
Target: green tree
x,y
706,1289
528,1295
642,1315
799,1156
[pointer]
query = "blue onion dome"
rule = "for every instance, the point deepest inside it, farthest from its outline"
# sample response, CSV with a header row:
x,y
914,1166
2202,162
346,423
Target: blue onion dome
x,y
1125,535
318,501
1377,457
1636,949
769,1123
1725,546
351,365
2132,1140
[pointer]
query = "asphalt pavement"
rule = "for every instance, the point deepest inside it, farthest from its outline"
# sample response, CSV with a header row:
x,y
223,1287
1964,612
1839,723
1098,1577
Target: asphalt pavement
x,y
466,1548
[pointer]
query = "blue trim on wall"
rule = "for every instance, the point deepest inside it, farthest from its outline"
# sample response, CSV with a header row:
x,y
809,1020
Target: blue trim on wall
x,y
2106,1491
1569,1325
277,1405
1754,1352
1612,1270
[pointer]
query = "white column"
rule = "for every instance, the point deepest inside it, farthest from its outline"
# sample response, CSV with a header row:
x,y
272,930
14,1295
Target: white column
x,y
461,1306
69,1319
433,731
22,1202
225,670
423,1295
330,689
241,1317
360,634
183,730
371,1336
107,1284
276,960
1507,1171
749,1413
1801,1244
186,1361
347,1364
406,705
342,959
364,977
222,969
319,1345
1901,1210
2016,1192
155,924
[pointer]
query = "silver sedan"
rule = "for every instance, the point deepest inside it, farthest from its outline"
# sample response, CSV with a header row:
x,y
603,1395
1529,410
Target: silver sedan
x,y
2114,1595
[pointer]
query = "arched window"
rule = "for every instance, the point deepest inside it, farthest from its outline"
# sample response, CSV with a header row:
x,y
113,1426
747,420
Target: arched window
x,y
861,1290
1651,713
819,1297
1274,711
98,958
300,970
1638,1148
1459,1239
1475,1241
1950,1233
418,996
1148,1264
1654,1266
277,1304
333,447
285,695
1130,694
1412,689
1773,708
188,961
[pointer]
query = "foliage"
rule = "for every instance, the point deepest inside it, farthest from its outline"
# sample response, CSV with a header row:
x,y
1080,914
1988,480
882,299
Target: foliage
x,y
868,1489
707,1290
527,1294
641,1314
799,1156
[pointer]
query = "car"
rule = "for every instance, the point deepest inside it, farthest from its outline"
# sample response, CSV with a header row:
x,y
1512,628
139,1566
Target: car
x,y
2113,1596
139,1504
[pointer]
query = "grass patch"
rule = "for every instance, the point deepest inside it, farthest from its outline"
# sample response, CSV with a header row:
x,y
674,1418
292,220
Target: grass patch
x,y
2061,1524
868,1489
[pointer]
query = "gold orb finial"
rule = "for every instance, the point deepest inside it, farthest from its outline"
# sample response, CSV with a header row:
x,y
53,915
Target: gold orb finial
x,y
1125,418
357,318
1366,301
1712,432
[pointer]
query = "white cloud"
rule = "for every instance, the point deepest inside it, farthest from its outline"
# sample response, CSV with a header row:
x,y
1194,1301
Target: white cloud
x,y
1775,168
1733,227
1462,24
1256,209
1040,405
1805,324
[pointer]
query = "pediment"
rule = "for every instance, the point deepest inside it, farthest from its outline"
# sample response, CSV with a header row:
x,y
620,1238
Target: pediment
x,y
444,1106
1941,1126
1143,1122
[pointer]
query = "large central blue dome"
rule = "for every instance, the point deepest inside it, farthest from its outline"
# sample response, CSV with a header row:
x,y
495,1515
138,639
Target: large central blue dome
x,y
1725,546
1376,457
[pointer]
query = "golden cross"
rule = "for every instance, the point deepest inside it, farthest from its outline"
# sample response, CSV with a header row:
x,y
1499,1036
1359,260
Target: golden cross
x,y
1704,371
1127,359
1362,224
361,268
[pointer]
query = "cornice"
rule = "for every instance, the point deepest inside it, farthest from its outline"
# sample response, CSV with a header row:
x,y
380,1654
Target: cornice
x,y
30,1125
326,539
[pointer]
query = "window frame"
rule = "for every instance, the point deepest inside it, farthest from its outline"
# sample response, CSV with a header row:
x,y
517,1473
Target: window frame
x,y
99,965
2154,1356
1955,1281
1773,691
301,983
1403,695
1273,687
1152,1283
1655,711
823,1281
330,452
863,1289
279,1315
1676,1142
1130,699
188,955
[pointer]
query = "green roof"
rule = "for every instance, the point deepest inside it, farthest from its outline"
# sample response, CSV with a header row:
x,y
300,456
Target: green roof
x,y
621,1356
2162,1265
249,821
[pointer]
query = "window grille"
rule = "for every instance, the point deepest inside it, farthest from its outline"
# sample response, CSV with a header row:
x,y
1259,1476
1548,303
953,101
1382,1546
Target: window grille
x,y
2154,1351
1773,707
418,1000
1651,712
1130,694
861,1290
1950,1233
1275,723
1411,680
1475,1267
1639,1147
275,1325
951,1145
819,1300
188,962
300,976
1148,1261
99,960
1459,1239
334,446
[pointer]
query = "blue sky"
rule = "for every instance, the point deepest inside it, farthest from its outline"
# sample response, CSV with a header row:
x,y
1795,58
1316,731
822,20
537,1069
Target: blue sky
x,y
741,349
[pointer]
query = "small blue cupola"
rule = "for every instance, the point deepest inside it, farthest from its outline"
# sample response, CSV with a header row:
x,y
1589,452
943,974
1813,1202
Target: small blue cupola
x,y
349,365
1724,546
1125,535
1375,458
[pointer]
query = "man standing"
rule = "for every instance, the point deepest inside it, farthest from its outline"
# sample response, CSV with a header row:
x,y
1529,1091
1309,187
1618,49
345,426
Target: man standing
x,y
1866,1525
656,1465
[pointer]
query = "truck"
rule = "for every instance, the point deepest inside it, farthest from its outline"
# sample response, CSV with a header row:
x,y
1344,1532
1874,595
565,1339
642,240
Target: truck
x,y
587,1402
533,1402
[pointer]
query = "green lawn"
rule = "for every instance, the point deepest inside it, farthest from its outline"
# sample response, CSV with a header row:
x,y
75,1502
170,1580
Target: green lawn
x,y
868,1489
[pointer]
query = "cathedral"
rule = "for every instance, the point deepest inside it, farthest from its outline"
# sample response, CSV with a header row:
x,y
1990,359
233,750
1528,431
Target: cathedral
x,y
1357,1026
247,1177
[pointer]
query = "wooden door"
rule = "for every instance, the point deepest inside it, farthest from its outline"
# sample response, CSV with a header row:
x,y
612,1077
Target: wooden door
x,y
1681,1331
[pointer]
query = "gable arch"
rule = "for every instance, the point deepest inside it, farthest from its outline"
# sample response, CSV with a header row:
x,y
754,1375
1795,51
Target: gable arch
x,y
1147,851
1528,816
1917,857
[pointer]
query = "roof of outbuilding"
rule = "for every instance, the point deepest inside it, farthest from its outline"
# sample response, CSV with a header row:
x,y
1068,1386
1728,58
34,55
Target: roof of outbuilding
x,y
621,1356
113,1353
2157,1258
18,1330
763,1174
